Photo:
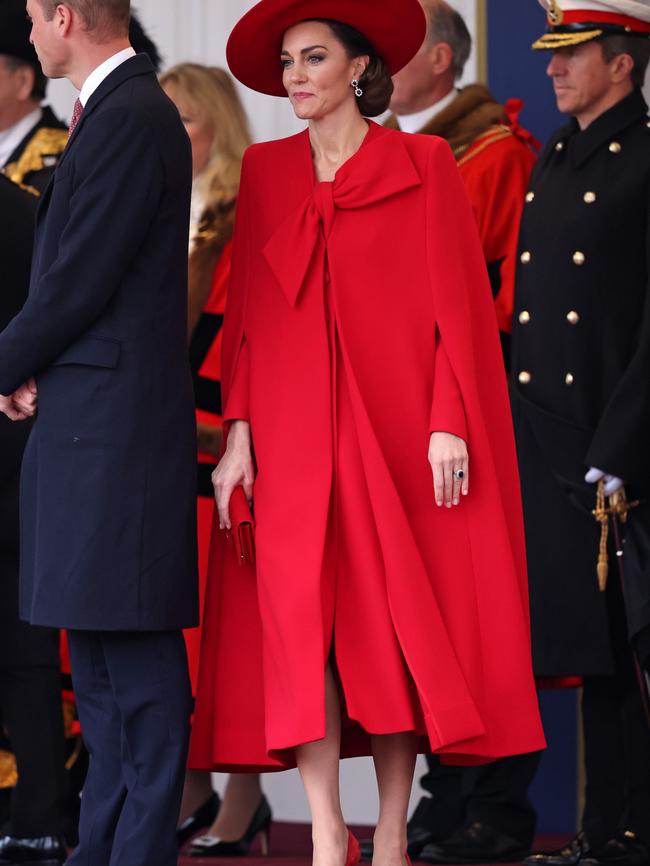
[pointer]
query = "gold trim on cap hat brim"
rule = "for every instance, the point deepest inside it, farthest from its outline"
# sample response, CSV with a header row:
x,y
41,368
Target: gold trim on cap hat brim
x,y
549,41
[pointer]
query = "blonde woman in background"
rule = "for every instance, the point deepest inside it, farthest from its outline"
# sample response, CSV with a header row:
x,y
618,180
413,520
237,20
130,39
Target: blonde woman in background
x,y
218,129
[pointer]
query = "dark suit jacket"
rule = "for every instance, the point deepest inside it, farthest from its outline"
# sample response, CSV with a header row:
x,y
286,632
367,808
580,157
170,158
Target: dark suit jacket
x,y
108,486
17,210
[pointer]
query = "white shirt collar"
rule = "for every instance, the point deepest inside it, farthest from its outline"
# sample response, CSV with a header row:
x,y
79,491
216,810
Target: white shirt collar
x,y
11,138
96,77
416,122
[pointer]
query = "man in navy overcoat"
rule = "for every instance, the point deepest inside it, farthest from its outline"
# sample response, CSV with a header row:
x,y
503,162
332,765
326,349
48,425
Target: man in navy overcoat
x,y
108,485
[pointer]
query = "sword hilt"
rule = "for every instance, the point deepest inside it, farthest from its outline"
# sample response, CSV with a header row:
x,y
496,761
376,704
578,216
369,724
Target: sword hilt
x,y
619,507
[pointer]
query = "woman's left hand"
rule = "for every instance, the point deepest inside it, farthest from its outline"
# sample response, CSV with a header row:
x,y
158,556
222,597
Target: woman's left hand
x,y
448,456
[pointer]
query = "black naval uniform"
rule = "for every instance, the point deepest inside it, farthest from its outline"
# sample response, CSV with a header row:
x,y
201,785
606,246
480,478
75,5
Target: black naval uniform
x,y
34,160
30,679
581,398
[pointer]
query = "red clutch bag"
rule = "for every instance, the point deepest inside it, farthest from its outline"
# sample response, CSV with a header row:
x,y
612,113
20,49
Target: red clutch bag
x,y
243,527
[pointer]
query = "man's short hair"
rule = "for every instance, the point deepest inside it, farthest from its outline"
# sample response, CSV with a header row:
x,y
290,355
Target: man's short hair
x,y
40,81
637,48
447,25
101,17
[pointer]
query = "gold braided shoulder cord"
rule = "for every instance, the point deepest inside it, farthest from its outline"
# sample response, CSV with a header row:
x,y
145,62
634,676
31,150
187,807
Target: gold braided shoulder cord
x,y
46,142
618,509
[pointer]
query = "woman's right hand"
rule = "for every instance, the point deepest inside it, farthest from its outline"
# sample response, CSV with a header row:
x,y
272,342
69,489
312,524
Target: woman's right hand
x,y
235,467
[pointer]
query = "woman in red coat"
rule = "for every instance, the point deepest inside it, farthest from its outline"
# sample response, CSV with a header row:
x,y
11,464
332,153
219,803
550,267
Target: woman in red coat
x,y
386,613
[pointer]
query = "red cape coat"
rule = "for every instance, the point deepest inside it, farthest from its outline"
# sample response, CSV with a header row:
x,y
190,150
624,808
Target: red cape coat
x,y
420,341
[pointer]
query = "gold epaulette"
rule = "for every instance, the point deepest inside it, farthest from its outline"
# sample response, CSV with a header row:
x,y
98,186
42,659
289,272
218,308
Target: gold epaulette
x,y
490,136
23,186
43,151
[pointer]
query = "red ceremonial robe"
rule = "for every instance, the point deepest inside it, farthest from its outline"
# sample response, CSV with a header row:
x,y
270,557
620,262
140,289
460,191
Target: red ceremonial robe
x,y
396,236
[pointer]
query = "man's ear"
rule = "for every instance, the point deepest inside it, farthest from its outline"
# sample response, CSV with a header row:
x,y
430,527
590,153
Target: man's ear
x,y
621,67
64,18
26,79
441,58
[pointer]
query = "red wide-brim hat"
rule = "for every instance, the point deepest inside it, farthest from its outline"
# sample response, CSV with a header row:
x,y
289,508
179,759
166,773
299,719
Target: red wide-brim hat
x,y
395,28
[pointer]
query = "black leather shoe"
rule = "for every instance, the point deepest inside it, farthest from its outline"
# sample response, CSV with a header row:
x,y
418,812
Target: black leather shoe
x,y
201,819
575,851
476,843
260,825
626,849
42,849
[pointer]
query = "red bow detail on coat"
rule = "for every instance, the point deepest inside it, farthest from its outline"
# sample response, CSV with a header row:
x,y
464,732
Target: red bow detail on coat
x,y
302,237
513,108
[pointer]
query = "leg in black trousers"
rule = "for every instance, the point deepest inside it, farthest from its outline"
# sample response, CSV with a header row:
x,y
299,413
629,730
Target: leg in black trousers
x,y
443,812
134,700
495,795
30,699
33,716
617,742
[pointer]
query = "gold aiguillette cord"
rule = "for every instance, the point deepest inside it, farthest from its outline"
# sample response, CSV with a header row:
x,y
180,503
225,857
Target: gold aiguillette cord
x,y
618,509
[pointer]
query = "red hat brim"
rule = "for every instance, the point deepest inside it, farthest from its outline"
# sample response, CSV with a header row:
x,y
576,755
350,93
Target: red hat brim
x,y
395,28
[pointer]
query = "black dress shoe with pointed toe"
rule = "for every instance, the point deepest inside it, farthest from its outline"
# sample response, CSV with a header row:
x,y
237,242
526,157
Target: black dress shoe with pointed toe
x,y
574,852
625,849
48,850
260,825
204,817
476,843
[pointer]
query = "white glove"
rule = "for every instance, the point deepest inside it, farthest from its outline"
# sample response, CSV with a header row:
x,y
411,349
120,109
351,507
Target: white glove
x,y
612,483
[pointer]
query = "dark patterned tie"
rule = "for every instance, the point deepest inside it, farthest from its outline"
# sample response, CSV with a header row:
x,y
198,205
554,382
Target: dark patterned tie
x,y
76,115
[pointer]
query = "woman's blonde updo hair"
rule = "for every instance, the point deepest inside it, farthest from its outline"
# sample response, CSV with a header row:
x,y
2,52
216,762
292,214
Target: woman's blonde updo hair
x,y
211,95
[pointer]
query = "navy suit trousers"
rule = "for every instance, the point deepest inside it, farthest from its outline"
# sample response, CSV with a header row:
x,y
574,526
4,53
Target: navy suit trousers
x,y
134,700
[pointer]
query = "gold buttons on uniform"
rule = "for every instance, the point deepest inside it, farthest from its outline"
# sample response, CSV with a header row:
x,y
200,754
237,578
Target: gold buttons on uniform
x,y
568,379
525,257
615,147
559,146
525,377
530,196
579,258
524,317
589,197
572,317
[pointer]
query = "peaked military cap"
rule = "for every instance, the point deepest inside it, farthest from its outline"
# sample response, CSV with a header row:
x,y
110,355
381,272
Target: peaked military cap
x,y
572,22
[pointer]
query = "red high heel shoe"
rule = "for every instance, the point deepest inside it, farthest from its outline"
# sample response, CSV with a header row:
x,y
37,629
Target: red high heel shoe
x,y
354,851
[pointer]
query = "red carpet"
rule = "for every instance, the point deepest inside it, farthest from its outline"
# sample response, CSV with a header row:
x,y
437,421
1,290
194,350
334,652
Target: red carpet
x,y
291,843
